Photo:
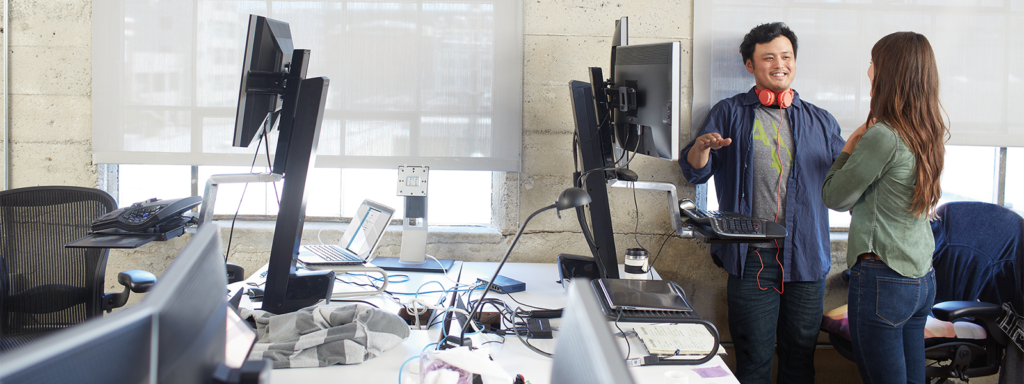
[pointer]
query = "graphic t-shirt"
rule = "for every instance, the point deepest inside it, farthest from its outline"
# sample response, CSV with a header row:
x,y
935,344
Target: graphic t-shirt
x,y
772,158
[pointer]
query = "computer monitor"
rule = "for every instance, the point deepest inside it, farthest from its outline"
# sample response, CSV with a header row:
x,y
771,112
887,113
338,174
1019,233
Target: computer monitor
x,y
268,56
111,349
635,111
595,141
274,76
586,351
646,91
176,335
619,38
189,303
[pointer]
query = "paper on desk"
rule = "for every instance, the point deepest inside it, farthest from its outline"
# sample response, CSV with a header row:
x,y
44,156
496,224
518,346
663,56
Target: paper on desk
x,y
670,339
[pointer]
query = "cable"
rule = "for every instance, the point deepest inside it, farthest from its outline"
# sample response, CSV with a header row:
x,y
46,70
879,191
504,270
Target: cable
x,y
266,144
778,208
443,270
527,305
231,233
624,337
402,368
667,235
636,228
526,342
356,301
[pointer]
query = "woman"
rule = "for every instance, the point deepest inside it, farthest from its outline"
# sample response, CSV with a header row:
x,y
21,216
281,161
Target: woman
x,y
888,174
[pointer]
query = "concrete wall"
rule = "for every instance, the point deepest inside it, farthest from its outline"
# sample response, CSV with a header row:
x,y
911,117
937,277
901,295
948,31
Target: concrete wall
x,y
51,133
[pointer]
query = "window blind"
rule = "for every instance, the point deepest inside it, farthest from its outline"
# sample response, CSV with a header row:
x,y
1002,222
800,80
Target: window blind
x,y
976,43
412,82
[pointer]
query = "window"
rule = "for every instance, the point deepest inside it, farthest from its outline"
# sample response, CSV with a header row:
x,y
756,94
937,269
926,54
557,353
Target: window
x,y
976,49
456,197
969,174
1014,196
427,83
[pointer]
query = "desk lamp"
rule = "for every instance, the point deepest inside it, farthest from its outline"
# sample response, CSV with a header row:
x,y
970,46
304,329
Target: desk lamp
x,y
569,198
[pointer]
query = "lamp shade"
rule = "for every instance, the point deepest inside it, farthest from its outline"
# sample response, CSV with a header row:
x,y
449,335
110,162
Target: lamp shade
x,y
572,198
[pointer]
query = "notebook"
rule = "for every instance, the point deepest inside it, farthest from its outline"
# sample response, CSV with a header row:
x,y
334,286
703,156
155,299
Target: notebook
x,y
359,241
643,295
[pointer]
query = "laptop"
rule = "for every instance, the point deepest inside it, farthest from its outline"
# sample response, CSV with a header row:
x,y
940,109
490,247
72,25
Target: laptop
x,y
357,244
643,295
239,339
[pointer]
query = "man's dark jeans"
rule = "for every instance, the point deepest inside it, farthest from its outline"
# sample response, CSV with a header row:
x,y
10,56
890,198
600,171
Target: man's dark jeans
x,y
758,316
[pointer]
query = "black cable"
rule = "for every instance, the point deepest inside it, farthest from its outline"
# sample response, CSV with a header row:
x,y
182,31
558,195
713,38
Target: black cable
x,y
526,342
624,336
667,236
266,144
624,154
231,233
356,301
527,305
636,229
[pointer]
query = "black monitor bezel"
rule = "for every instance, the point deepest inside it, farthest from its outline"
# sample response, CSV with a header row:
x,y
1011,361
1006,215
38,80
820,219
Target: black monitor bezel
x,y
267,61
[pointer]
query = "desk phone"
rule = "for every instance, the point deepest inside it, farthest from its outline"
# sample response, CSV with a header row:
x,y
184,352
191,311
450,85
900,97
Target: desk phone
x,y
145,215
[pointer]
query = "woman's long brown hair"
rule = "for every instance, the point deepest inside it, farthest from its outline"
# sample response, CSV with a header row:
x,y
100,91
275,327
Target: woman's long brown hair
x,y
905,96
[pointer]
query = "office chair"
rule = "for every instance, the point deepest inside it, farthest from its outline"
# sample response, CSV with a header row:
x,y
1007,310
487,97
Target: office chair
x,y
43,285
977,262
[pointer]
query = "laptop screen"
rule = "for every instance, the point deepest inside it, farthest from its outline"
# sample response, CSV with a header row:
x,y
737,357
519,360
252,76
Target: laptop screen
x,y
239,340
368,224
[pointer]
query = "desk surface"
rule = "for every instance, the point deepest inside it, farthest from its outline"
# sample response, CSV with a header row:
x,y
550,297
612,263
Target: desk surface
x,y
542,290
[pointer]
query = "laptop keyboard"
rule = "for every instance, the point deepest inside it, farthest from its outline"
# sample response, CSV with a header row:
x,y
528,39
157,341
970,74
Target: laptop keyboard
x,y
330,253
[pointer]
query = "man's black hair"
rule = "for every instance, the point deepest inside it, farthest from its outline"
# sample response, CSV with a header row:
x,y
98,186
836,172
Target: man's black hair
x,y
765,33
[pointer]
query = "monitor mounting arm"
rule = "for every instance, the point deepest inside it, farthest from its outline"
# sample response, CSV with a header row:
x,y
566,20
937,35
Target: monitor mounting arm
x,y
670,192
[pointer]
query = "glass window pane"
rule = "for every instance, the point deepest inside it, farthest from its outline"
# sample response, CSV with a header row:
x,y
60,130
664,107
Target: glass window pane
x,y
142,182
968,174
1014,182
246,199
455,197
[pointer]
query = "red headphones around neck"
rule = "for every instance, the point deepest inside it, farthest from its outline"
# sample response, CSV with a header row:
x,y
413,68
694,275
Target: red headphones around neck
x,y
769,97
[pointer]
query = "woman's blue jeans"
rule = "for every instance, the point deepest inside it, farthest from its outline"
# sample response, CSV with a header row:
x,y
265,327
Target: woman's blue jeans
x,y
887,314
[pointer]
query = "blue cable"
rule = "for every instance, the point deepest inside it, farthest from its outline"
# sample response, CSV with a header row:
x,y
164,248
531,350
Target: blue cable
x,y
390,281
402,368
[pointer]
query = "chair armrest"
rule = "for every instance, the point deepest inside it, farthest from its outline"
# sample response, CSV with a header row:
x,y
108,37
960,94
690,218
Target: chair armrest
x,y
951,310
235,272
136,280
133,281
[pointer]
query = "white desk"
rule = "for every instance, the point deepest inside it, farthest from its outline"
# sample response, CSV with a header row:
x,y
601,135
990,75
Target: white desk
x,y
542,290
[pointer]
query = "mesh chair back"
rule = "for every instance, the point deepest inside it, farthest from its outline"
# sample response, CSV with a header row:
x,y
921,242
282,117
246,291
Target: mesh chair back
x,y
978,247
44,286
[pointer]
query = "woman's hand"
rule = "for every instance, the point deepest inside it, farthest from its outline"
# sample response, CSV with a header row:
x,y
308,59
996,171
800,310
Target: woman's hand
x,y
851,143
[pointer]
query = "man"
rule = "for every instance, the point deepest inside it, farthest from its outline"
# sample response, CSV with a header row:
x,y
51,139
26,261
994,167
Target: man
x,y
769,152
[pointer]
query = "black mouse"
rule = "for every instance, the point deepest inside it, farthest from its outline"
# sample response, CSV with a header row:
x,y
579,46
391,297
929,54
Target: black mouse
x,y
255,294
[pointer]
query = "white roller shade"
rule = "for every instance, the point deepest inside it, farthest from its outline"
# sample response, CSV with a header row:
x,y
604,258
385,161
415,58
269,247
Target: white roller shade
x,y
978,46
412,82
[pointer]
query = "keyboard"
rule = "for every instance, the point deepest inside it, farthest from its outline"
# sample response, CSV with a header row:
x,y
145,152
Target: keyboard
x,y
725,224
331,253
738,226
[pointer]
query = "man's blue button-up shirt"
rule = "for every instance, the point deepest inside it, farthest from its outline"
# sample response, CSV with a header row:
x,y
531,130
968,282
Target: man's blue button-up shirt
x,y
816,134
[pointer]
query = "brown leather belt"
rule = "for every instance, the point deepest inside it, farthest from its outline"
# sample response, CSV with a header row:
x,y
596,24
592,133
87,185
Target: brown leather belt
x,y
869,256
